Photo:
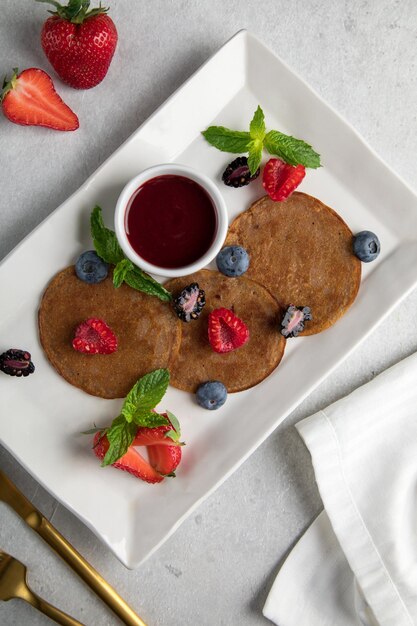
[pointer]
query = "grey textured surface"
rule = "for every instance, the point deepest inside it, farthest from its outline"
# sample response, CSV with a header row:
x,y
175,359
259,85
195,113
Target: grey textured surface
x,y
361,56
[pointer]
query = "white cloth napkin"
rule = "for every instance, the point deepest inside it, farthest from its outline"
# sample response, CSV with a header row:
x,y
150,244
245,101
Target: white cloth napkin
x,y
357,563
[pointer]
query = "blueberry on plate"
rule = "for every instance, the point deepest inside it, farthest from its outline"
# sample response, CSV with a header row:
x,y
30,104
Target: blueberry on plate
x,y
232,261
90,268
211,395
366,246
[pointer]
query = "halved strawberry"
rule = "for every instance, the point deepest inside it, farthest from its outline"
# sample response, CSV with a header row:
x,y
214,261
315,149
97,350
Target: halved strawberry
x,y
280,179
131,462
164,453
165,459
93,336
30,99
226,331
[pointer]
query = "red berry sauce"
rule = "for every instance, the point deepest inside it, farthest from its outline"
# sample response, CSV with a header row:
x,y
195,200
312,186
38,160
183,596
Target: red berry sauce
x,y
170,221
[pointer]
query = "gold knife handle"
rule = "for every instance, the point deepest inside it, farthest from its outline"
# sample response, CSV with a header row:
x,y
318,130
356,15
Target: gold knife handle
x,y
89,575
51,611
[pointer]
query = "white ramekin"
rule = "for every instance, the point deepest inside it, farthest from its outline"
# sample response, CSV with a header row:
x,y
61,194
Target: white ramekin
x,y
179,170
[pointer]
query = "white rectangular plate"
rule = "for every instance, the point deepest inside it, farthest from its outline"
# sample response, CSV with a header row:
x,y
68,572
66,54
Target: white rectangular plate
x,y
42,429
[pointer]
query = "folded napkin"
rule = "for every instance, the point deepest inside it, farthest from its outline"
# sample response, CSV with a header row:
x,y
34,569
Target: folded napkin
x,y
357,563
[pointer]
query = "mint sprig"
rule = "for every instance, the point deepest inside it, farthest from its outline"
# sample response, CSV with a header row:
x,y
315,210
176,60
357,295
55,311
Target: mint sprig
x,y
107,248
289,149
145,395
137,412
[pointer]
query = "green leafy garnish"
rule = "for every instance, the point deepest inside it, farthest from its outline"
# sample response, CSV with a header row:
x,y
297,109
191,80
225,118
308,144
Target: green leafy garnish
x,y
227,140
136,413
289,149
145,395
120,436
104,239
175,432
107,248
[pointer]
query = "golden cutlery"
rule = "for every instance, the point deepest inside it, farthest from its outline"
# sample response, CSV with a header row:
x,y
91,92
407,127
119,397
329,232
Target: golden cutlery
x,y
13,585
11,495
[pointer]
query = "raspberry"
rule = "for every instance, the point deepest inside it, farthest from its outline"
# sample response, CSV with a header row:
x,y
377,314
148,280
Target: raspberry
x,y
93,336
226,332
281,179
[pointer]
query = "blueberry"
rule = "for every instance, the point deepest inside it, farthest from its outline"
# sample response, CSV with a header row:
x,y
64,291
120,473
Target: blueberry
x,y
90,268
232,261
211,395
366,246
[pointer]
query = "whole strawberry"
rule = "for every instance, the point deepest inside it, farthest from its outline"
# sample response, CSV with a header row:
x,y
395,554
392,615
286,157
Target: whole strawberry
x,y
79,43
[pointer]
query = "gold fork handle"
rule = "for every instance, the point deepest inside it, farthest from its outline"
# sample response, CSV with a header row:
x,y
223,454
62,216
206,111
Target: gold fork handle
x,y
89,575
51,611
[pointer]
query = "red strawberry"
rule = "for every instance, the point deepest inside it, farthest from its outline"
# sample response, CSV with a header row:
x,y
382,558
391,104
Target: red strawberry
x,y
79,43
30,99
94,337
280,179
131,462
164,453
226,332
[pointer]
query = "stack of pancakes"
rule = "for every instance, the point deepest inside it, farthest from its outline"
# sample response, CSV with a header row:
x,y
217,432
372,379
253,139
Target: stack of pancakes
x,y
300,253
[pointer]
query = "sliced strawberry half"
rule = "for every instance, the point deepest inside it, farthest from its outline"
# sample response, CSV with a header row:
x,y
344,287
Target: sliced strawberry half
x,y
280,179
30,99
164,453
93,336
226,331
131,462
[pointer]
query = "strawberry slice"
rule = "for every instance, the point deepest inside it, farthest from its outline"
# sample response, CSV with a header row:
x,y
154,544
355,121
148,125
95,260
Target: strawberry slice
x,y
226,332
131,462
280,179
93,336
164,454
30,99
164,459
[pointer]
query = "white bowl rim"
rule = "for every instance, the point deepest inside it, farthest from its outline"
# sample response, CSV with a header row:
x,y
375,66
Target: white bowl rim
x,y
171,169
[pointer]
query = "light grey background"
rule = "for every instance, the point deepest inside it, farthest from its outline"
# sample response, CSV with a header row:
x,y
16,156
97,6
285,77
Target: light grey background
x,y
361,56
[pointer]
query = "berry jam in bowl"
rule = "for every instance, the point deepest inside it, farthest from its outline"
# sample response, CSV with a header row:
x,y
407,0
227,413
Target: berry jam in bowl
x,y
171,220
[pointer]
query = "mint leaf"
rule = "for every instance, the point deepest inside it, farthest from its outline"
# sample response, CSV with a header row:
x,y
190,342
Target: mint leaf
x,y
145,394
120,271
257,126
120,436
255,155
291,150
105,241
140,280
175,424
227,140
149,419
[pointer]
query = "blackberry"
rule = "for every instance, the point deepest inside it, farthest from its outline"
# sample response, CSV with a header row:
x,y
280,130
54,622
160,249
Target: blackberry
x,y
16,363
293,322
189,304
237,173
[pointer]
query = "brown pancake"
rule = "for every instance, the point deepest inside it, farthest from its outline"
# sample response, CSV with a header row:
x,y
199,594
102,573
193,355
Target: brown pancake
x,y
245,367
148,333
301,250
